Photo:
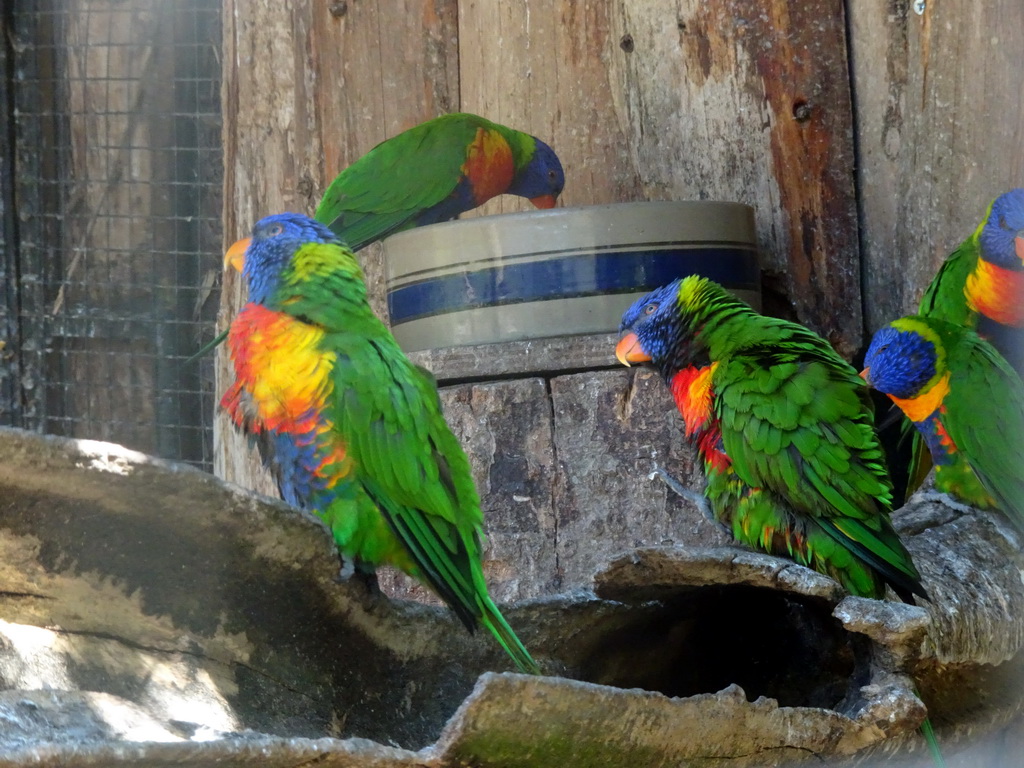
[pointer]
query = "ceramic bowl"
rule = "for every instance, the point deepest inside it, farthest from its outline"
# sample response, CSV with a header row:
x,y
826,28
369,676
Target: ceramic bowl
x,y
558,272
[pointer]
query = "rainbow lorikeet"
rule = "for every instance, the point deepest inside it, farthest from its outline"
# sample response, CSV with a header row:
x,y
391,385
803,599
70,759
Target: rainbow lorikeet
x,y
352,430
784,427
435,171
965,401
981,284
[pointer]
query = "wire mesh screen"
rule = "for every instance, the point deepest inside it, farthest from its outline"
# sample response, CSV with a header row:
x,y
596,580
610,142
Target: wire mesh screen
x,y
117,156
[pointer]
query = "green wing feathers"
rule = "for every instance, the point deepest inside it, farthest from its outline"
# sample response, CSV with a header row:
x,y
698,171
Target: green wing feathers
x,y
797,422
985,419
944,298
415,470
809,439
382,191
876,543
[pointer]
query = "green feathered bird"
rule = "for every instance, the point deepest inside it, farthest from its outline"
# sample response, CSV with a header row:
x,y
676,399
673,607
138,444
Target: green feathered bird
x,y
981,286
784,426
351,429
785,430
435,171
966,402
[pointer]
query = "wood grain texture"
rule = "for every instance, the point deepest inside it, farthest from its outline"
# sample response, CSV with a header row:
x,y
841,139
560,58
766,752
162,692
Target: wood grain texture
x,y
612,430
554,82
748,100
940,129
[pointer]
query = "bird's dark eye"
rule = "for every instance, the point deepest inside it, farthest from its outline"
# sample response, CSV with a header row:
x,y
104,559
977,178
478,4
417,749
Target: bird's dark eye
x,y
650,309
552,175
882,348
275,230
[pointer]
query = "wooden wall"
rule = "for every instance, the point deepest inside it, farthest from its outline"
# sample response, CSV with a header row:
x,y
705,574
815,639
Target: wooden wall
x,y
940,131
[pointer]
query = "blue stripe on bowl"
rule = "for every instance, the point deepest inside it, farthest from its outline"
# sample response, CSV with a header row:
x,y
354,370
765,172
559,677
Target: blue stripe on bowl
x,y
571,276
510,258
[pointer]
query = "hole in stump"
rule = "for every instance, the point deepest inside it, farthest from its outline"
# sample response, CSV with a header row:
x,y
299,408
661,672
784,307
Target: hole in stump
x,y
701,640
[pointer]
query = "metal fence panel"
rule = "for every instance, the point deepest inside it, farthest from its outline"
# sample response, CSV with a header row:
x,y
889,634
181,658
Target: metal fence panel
x,y
117,156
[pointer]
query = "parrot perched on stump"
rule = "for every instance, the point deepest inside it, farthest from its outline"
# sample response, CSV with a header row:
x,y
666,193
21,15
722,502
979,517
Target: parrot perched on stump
x,y
435,171
351,429
966,402
784,428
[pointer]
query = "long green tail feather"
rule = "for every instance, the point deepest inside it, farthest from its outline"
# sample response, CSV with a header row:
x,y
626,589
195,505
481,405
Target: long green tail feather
x,y
492,619
466,594
207,347
933,744
929,737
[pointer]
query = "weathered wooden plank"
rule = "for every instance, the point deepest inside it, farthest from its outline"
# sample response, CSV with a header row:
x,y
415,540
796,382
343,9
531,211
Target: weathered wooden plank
x,y
309,87
748,100
940,127
744,100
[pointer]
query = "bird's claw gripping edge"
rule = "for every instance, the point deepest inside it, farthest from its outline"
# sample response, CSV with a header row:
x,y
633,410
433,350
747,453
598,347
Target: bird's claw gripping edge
x,y
693,497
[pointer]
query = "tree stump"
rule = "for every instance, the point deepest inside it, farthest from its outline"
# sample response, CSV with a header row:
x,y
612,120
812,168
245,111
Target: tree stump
x,y
141,601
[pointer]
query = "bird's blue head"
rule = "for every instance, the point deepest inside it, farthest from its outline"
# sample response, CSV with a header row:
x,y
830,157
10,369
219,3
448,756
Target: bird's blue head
x,y
263,257
1002,235
901,360
542,179
652,331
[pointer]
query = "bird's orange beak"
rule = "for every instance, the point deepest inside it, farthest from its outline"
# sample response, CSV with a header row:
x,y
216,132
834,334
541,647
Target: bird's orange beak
x,y
544,201
629,350
866,374
1018,245
236,254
